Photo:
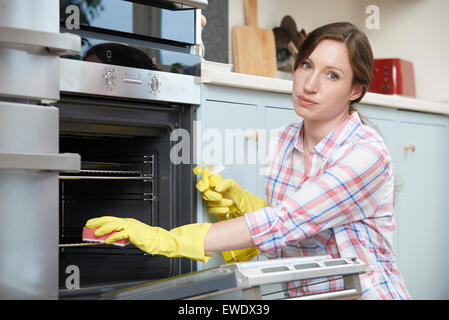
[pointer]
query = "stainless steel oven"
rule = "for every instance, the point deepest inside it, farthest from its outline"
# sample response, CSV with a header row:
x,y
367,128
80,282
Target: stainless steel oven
x,y
121,99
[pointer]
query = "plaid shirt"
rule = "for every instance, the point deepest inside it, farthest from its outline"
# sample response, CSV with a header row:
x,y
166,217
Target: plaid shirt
x,y
343,206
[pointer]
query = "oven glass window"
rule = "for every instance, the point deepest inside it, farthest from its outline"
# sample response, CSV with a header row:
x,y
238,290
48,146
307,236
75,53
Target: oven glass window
x,y
134,18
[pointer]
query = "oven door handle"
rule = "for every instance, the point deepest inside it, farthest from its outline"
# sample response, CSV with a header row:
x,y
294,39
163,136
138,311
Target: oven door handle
x,y
65,162
57,43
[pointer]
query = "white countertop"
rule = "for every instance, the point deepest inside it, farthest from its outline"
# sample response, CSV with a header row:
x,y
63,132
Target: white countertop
x,y
240,80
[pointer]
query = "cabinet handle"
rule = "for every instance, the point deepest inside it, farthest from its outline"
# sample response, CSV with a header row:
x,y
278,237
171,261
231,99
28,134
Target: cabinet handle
x,y
252,133
410,147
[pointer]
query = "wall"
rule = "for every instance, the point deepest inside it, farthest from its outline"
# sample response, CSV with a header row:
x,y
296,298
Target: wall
x,y
215,34
414,30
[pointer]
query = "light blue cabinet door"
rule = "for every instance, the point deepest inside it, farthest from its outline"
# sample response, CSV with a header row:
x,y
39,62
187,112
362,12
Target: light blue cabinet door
x,y
230,123
278,117
422,202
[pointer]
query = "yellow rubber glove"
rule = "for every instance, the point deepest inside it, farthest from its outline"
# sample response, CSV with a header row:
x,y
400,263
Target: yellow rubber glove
x,y
185,241
225,208
215,201
205,184
244,201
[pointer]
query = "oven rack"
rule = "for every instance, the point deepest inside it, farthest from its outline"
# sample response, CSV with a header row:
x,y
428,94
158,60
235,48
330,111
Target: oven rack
x,y
107,175
105,189
99,170
81,244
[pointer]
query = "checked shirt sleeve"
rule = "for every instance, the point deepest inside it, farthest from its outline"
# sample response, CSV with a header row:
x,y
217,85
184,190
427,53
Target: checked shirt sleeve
x,y
346,191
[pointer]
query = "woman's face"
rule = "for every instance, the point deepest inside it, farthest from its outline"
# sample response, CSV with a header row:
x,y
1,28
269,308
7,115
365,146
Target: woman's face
x,y
325,78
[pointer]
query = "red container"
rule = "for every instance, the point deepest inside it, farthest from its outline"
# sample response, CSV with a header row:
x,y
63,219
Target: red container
x,y
393,76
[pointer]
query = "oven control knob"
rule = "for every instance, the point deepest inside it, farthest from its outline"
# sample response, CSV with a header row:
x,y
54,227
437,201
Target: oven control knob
x,y
154,83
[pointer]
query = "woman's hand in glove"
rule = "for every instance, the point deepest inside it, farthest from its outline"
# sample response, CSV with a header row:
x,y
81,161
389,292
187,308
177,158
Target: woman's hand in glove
x,y
215,201
185,241
244,201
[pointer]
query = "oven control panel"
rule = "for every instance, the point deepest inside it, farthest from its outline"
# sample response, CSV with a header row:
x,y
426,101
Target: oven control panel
x,y
101,79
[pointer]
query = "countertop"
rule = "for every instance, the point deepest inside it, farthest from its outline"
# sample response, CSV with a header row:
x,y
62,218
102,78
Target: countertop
x,y
239,80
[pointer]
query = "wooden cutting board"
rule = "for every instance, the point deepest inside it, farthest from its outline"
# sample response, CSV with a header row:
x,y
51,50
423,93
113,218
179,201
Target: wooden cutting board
x,y
253,48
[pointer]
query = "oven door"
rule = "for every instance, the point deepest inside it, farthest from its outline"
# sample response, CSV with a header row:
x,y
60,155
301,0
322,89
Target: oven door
x,y
126,171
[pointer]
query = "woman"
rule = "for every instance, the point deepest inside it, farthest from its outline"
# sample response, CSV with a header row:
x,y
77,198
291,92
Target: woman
x,y
330,182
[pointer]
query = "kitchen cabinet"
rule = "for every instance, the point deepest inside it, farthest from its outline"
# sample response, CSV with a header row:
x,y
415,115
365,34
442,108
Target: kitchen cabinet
x,y
421,205
423,208
247,112
224,141
227,128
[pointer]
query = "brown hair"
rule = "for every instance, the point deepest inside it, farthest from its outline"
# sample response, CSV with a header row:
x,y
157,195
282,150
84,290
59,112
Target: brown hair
x,y
360,53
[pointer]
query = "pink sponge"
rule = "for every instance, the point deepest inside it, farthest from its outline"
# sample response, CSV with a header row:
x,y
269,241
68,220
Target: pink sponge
x,y
89,235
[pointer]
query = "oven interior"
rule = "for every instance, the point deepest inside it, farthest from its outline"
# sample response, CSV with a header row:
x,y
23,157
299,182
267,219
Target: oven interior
x,y
125,172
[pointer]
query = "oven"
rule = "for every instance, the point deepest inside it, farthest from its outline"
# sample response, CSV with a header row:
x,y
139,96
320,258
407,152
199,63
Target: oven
x,y
125,103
